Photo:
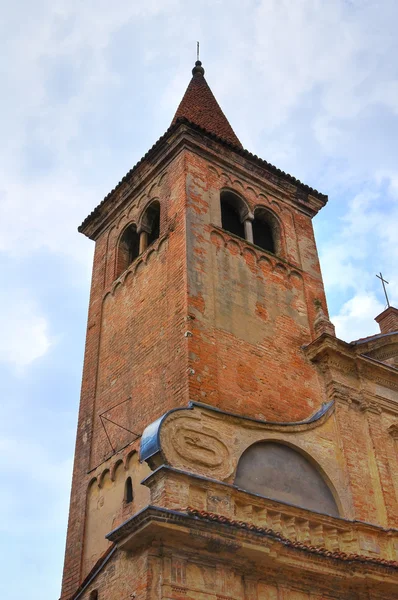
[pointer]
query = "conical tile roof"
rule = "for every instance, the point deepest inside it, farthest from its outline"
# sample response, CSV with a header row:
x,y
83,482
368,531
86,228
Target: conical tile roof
x,y
200,107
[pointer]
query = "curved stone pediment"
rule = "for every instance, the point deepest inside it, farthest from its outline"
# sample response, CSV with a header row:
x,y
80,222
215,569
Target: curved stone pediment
x,y
196,411
206,441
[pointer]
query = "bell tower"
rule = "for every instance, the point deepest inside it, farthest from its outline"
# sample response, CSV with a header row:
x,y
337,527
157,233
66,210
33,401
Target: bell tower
x,y
212,459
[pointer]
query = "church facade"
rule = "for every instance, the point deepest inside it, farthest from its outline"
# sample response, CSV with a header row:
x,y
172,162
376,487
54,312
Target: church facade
x,y
229,445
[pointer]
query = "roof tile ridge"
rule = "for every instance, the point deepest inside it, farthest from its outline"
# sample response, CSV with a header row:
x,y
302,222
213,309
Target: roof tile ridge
x,y
335,554
96,568
238,149
243,151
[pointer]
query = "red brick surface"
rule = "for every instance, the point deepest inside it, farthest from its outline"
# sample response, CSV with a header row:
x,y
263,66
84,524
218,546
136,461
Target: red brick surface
x,y
388,320
200,107
251,311
135,349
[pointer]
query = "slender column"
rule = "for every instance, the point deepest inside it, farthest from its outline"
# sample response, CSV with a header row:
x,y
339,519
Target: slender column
x,y
143,241
247,223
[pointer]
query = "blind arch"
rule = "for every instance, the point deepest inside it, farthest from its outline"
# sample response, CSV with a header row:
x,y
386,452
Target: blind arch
x,y
280,472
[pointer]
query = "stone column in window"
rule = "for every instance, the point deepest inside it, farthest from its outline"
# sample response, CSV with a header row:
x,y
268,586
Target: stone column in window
x,y
247,223
143,233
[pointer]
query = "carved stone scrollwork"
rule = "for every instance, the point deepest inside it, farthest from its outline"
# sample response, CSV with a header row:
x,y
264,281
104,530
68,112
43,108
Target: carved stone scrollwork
x,y
370,406
393,431
342,394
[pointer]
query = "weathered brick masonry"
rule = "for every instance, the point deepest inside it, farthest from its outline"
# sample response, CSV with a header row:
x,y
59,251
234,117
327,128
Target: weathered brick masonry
x,y
231,328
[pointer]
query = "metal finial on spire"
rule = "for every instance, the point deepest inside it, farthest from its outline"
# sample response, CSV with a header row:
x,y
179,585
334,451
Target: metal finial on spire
x,y
383,281
198,69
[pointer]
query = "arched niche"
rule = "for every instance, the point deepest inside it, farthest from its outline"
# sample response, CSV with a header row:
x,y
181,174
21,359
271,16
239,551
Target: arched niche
x,y
128,491
280,472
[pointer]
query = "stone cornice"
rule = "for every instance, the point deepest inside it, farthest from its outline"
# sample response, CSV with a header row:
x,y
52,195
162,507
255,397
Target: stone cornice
x,y
275,185
207,530
132,185
327,347
298,194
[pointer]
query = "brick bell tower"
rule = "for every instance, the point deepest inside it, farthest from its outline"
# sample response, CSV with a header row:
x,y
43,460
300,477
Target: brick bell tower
x,y
229,446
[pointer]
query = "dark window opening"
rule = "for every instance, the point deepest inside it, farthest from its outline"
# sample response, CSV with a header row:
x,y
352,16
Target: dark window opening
x,y
230,219
128,249
94,595
263,235
128,491
151,222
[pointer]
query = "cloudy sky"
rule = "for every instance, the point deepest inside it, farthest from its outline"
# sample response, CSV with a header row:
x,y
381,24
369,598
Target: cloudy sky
x,y
87,88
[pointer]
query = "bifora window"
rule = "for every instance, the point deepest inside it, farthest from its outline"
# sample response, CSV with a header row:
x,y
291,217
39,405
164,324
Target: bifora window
x,y
262,229
135,240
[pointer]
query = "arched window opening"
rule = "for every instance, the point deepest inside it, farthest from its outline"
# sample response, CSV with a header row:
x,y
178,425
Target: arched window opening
x,y
232,212
263,235
281,473
150,225
94,595
128,249
128,491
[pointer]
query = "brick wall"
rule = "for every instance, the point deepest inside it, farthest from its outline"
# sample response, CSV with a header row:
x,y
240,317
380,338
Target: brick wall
x,y
388,320
136,352
250,311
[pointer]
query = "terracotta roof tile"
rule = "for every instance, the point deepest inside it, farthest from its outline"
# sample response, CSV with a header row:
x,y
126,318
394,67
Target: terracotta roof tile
x,y
370,338
305,189
337,555
103,559
200,107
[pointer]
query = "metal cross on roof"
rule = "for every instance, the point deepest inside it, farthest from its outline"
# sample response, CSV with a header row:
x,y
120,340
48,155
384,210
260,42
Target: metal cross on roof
x,y
383,281
197,51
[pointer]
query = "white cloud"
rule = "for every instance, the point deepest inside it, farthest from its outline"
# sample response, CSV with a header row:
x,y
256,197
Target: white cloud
x,y
354,318
89,86
57,69
25,335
